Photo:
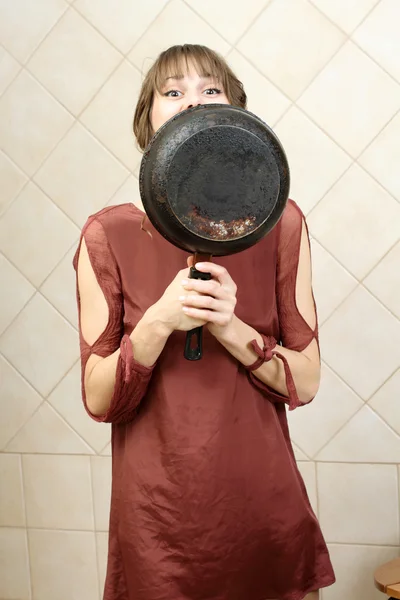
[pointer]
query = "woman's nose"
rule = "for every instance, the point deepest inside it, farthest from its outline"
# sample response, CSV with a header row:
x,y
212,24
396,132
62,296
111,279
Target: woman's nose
x,y
192,101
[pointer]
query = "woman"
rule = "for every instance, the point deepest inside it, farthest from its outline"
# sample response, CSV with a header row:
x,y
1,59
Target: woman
x,y
207,501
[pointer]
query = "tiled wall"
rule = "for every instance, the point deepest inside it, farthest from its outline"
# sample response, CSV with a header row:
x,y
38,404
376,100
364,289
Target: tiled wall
x,y
326,75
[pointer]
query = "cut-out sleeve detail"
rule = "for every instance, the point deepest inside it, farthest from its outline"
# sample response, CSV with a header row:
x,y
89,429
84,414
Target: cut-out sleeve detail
x,y
295,332
265,355
132,378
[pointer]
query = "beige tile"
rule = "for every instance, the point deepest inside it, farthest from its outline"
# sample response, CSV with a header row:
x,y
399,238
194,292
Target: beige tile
x,y
307,470
19,290
299,454
66,399
21,401
164,32
316,162
12,509
40,344
355,212
101,475
136,172
23,26
80,175
117,99
386,402
347,14
74,61
291,24
331,282
128,192
378,35
349,340
358,504
314,425
102,552
63,565
32,122
14,565
354,567
351,99
107,450
264,99
349,444
122,27
230,19
47,433
60,288
58,492
384,280
382,157
35,234
9,68
12,181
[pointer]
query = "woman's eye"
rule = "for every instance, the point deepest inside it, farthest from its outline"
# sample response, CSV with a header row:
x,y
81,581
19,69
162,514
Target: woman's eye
x,y
214,91
172,94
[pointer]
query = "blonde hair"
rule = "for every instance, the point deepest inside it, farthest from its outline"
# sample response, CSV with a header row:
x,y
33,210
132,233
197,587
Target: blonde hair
x,y
170,62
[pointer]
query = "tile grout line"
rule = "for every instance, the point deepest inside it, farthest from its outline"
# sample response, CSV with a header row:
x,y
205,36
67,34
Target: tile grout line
x,y
25,380
375,266
94,525
24,63
317,487
4,450
63,317
311,460
23,483
143,34
343,425
94,452
194,11
351,34
348,34
44,400
366,404
20,67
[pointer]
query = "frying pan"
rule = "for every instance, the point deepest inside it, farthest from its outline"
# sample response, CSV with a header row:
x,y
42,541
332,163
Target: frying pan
x,y
214,180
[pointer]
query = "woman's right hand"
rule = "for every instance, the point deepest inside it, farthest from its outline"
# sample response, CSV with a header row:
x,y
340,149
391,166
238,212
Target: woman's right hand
x,y
168,309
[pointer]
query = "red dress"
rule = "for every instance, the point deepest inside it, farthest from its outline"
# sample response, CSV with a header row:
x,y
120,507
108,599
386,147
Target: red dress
x,y
207,501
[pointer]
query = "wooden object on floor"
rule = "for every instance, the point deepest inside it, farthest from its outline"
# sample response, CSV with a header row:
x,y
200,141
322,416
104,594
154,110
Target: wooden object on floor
x,y
387,578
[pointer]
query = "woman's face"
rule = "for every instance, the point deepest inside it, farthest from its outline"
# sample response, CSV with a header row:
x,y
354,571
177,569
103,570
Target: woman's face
x,y
184,91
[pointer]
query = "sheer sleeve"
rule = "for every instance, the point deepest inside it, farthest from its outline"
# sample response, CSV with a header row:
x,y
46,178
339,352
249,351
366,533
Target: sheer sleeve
x,y
295,302
132,378
298,327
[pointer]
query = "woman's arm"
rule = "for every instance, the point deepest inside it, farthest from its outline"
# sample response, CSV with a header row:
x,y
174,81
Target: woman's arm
x,y
302,367
148,338
133,364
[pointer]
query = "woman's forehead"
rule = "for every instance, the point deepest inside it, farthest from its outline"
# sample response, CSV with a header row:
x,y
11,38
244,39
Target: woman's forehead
x,y
179,68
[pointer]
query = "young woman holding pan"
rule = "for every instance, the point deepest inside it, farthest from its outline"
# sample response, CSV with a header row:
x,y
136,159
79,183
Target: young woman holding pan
x,y
207,501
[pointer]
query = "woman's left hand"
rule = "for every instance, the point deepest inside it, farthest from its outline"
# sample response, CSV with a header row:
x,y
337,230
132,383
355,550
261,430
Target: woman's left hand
x,y
216,300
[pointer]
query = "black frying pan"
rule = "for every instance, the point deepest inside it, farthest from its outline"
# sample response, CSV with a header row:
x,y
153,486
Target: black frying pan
x,y
214,181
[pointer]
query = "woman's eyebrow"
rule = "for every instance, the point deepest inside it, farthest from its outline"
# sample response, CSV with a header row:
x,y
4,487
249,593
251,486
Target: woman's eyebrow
x,y
180,77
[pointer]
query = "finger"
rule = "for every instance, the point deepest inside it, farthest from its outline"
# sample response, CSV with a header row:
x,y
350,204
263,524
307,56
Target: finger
x,y
209,316
217,271
190,261
205,302
208,288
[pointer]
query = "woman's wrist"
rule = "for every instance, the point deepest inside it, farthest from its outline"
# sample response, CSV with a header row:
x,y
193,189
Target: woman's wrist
x,y
155,322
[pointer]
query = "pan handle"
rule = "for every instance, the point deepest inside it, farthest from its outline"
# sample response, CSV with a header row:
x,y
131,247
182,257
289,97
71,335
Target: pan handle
x,y
195,352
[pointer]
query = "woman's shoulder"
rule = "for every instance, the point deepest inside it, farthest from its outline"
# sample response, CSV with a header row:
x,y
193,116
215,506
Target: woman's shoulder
x,y
292,211
292,219
115,218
